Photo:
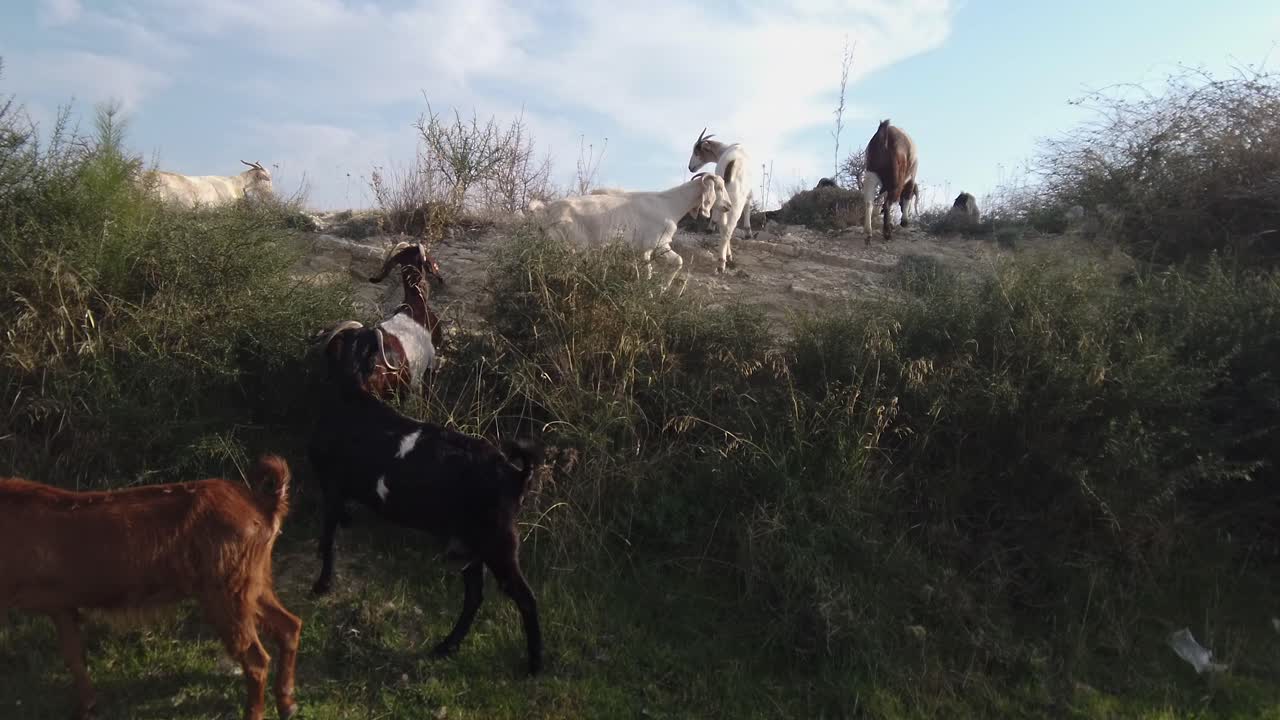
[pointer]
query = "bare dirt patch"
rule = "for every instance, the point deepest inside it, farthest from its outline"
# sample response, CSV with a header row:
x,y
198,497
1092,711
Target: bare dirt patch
x,y
784,269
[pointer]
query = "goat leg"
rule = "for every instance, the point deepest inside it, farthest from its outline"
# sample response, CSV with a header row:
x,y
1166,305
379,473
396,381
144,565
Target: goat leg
x,y
506,570
333,514
345,518
68,624
745,218
285,629
473,583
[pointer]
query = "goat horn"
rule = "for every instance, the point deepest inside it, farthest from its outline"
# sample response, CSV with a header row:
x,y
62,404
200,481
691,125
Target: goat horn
x,y
247,163
333,332
702,136
389,263
382,351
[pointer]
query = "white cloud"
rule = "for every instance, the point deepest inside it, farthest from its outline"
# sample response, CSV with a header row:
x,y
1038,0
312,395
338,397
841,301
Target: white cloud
x,y
648,76
656,69
367,52
757,79
87,76
130,31
59,12
334,161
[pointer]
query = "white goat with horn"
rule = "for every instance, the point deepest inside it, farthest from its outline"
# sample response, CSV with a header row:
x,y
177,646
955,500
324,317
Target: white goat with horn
x,y
190,190
645,220
733,164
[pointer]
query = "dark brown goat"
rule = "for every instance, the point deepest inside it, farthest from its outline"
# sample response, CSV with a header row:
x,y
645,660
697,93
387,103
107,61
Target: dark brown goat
x,y
148,547
891,167
461,489
401,350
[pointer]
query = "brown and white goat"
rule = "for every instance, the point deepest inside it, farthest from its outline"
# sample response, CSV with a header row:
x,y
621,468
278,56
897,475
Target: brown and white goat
x,y
147,547
891,168
399,351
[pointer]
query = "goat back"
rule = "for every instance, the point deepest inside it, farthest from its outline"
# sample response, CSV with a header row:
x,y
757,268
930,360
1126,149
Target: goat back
x,y
135,547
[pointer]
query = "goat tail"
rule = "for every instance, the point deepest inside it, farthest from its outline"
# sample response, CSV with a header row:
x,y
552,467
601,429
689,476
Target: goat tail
x,y
529,453
270,477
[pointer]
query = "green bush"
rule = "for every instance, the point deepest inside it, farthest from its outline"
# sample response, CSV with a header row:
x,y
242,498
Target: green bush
x,y
141,338
1076,430
830,208
1187,172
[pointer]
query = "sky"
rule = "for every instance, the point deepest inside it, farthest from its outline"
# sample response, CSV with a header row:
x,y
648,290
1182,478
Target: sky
x,y
323,91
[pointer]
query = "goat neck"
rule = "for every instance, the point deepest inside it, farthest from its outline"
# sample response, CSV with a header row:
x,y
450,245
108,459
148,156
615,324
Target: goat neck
x,y
415,293
714,148
689,194
415,302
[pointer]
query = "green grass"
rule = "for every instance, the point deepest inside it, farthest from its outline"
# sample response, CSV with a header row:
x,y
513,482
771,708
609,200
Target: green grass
x,y
659,641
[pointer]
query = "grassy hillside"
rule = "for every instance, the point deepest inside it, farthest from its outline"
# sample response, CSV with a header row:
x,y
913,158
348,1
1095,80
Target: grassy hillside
x,y
983,498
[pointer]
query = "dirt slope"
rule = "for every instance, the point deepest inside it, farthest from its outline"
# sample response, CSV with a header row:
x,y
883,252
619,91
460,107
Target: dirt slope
x,y
784,268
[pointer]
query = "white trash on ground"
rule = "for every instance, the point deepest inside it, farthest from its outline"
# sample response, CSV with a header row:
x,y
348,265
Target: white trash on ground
x,y
1200,657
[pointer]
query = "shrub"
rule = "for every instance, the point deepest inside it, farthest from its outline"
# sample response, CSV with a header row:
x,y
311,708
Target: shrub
x,y
464,170
1191,171
1078,431
829,208
141,338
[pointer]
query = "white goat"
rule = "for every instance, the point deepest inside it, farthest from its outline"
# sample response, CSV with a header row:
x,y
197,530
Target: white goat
x,y
188,191
645,220
734,165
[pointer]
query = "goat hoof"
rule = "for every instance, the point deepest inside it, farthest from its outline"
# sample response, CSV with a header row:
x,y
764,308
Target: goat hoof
x,y
322,587
288,711
535,667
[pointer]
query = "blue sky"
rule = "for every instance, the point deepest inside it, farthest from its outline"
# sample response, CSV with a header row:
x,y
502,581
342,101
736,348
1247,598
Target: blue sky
x,y
330,88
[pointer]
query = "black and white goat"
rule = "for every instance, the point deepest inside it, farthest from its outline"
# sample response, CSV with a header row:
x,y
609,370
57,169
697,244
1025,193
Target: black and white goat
x,y
459,488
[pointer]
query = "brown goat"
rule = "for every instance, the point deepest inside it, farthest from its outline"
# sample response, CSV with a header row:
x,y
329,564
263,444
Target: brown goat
x,y
148,547
891,167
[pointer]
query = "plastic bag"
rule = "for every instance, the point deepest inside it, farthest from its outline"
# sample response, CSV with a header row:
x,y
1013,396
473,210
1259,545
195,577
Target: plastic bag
x,y
1200,657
